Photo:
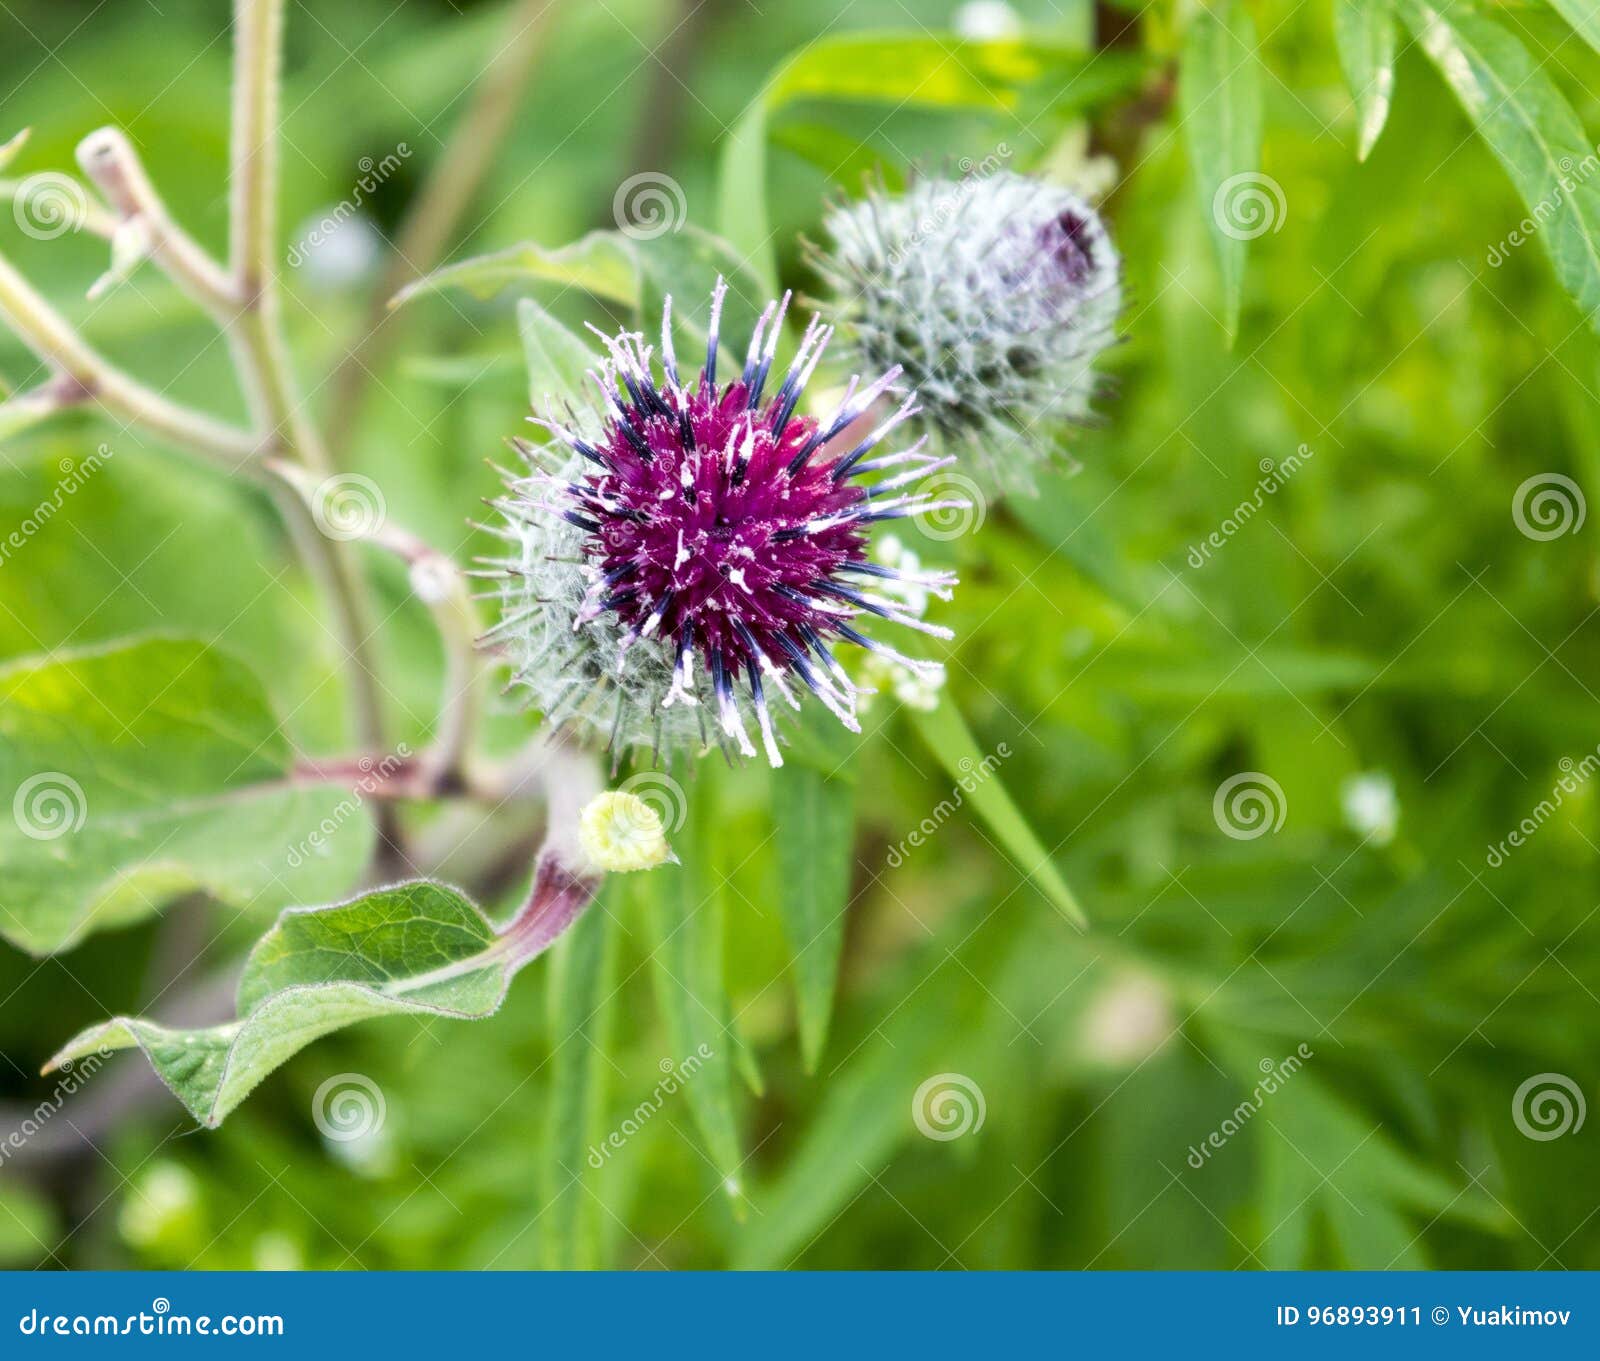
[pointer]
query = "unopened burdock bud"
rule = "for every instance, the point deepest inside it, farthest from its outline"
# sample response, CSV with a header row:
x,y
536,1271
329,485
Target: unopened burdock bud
x,y
620,832
994,295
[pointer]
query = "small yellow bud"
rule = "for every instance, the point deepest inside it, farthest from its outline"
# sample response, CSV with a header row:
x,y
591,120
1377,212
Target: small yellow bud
x,y
621,832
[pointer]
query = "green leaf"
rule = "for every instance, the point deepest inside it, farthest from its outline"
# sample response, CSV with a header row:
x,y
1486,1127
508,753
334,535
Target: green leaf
x,y
27,1223
1532,131
949,738
1365,33
1584,16
557,359
637,273
581,991
937,1022
684,913
1219,109
1319,1156
845,159
904,70
9,149
145,770
602,263
815,816
417,948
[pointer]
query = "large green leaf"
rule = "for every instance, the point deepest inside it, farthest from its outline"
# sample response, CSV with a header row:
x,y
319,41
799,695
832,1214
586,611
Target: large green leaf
x,y
815,814
937,1025
1532,131
417,948
684,914
141,771
903,70
1319,1156
580,997
557,359
602,263
1219,105
1365,32
949,738
1584,16
637,273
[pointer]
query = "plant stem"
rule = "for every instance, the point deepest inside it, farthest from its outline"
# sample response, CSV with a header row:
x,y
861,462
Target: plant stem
x,y
48,334
441,586
257,333
431,224
111,163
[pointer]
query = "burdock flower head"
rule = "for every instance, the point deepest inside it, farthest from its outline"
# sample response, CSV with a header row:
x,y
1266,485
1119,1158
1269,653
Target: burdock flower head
x,y
993,294
690,549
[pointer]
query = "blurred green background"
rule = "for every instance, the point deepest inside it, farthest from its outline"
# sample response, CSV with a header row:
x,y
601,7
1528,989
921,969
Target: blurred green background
x,y
1380,640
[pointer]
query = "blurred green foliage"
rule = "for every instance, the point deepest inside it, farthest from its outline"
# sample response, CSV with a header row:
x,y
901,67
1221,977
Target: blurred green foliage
x,y
1382,614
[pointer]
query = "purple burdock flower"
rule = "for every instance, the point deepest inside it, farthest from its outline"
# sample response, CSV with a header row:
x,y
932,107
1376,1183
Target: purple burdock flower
x,y
722,536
